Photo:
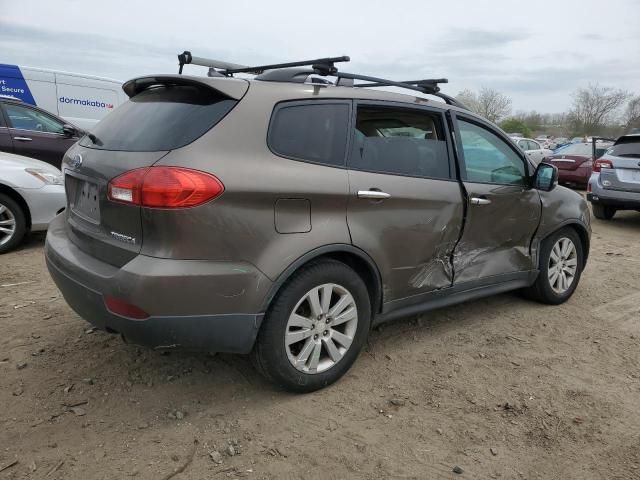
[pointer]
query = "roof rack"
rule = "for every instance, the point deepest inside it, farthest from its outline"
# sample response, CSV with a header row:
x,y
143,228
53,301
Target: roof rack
x,y
287,72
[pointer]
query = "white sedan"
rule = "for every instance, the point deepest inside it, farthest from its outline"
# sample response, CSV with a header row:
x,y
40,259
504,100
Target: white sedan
x,y
31,195
533,149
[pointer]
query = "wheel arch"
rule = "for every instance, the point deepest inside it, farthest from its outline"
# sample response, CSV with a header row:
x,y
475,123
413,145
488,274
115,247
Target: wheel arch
x,y
15,196
355,258
583,234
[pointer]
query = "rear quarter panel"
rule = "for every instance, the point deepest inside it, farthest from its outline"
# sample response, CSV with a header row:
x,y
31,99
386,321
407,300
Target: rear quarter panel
x,y
240,225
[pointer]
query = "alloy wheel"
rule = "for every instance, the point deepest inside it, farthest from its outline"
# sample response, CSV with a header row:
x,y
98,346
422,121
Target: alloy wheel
x,y
321,328
7,224
563,265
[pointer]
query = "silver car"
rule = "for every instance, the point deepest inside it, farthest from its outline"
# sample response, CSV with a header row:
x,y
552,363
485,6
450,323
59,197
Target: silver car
x,y
31,195
615,180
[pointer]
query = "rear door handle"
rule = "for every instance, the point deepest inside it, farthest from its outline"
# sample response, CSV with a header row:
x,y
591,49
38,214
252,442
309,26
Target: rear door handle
x,y
480,201
23,139
373,194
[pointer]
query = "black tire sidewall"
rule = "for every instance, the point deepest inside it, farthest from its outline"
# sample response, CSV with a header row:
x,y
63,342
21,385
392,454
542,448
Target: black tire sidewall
x,y
545,287
270,348
21,223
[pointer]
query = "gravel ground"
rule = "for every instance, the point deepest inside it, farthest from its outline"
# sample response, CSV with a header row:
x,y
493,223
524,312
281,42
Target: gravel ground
x,y
496,388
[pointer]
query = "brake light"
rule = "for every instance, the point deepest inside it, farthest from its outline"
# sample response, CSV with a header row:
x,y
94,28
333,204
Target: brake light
x,y
164,187
600,164
124,309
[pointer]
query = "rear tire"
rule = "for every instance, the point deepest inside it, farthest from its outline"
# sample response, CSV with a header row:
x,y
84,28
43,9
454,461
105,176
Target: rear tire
x,y
603,212
315,328
561,264
13,224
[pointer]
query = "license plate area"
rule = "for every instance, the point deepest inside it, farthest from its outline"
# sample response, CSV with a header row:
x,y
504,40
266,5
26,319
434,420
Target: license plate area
x,y
628,176
84,198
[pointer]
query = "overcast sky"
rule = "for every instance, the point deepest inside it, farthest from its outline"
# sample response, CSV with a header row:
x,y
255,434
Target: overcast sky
x,y
537,54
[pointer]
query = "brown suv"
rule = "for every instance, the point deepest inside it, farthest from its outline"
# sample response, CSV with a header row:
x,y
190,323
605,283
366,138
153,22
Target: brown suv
x,y
285,215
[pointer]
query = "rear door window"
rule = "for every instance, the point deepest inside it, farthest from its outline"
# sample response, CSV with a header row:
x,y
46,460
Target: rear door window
x,y
160,118
313,131
400,141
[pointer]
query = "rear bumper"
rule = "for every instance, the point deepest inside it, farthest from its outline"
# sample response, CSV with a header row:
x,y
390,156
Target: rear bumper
x,y
192,305
612,198
576,177
618,201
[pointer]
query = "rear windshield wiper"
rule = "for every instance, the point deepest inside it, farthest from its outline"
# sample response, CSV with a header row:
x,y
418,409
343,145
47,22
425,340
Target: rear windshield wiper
x,y
95,140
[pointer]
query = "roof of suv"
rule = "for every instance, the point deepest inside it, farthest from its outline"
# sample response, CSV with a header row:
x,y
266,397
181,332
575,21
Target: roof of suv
x,y
236,87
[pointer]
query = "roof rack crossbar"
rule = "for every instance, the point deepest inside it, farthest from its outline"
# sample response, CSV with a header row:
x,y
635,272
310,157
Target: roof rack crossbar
x,y
321,64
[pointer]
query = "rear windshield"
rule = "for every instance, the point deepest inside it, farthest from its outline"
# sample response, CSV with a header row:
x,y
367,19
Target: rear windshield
x,y
161,118
627,149
577,149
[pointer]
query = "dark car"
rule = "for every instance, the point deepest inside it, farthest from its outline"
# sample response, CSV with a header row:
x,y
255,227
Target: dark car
x,y
286,217
33,132
575,162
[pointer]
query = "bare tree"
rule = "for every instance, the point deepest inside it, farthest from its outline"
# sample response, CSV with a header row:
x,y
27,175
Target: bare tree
x,y
488,103
631,117
594,106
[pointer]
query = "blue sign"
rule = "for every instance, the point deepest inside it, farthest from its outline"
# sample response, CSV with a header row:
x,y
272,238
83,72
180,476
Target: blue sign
x,y
13,84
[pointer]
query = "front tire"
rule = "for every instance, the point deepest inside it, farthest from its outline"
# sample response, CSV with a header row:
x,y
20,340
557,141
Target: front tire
x,y
13,224
561,264
603,212
315,328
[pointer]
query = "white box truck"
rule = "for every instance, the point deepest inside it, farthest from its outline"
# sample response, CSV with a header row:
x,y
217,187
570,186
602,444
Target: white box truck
x,y
81,99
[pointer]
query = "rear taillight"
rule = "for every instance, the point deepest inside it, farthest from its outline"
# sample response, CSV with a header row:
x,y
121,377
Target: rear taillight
x,y
164,187
600,164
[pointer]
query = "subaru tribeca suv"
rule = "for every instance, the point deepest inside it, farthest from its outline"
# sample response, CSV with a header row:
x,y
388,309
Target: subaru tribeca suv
x,y
286,215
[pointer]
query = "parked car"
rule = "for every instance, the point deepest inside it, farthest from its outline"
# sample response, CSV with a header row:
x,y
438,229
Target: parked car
x,y
286,218
533,149
33,132
575,162
31,195
77,98
560,142
615,182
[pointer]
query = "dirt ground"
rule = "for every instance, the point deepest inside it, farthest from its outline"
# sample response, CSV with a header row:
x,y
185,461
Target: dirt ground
x,y
501,387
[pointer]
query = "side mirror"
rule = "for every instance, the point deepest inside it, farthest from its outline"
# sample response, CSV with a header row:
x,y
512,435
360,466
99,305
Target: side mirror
x,y
546,177
69,130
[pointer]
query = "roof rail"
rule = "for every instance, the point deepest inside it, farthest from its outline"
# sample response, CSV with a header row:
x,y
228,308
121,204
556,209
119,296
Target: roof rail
x,y
285,72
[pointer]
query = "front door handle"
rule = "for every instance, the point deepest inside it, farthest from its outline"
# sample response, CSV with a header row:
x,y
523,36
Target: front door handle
x,y
480,201
23,139
373,194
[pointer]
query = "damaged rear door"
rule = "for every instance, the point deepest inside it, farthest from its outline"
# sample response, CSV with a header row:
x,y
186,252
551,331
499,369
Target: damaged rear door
x,y
503,212
405,205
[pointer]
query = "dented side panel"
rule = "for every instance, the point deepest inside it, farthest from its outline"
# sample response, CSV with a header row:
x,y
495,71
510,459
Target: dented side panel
x,y
497,236
411,235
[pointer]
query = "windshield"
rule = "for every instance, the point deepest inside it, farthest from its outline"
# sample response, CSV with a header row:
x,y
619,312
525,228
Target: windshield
x,y
576,149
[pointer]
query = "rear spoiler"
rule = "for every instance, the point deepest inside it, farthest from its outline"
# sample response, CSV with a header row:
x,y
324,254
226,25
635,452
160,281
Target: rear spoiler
x,y
231,87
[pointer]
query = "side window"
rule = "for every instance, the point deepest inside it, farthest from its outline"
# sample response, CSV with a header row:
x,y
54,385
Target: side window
x,y
2,124
534,145
314,132
400,141
488,158
26,118
523,144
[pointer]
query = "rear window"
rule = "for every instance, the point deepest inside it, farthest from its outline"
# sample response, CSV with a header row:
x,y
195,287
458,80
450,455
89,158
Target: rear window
x,y
315,132
577,149
161,118
627,149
